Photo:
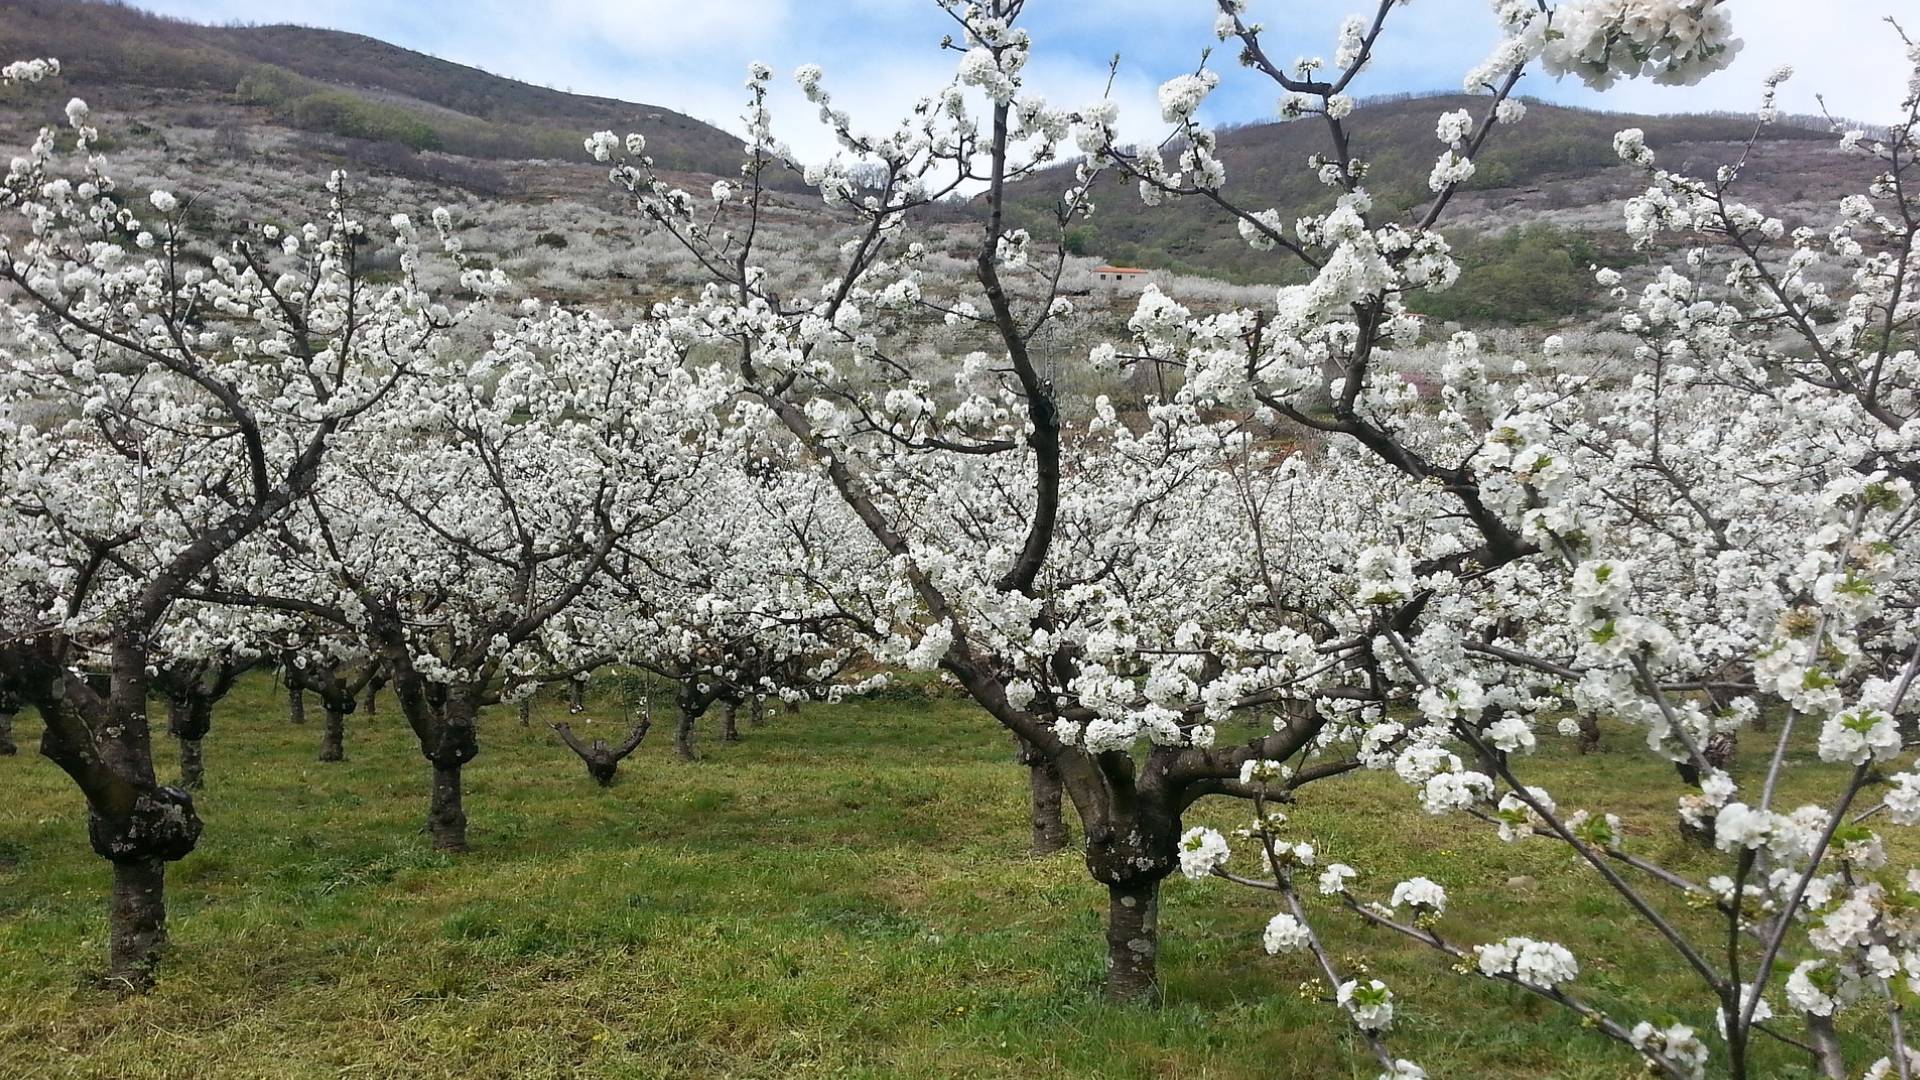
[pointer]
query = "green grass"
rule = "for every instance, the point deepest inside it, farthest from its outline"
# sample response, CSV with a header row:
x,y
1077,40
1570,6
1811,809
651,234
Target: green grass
x,y
845,893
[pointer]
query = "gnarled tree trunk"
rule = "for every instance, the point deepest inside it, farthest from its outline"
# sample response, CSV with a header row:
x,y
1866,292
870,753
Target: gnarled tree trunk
x,y
333,737
683,732
193,764
1589,733
1133,941
136,921
8,747
446,817
189,718
1044,791
104,742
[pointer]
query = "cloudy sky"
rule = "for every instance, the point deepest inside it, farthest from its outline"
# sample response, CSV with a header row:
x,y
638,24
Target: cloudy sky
x,y
689,55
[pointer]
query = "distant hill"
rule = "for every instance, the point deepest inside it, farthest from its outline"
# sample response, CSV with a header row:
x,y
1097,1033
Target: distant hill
x,y
254,114
1554,175
341,84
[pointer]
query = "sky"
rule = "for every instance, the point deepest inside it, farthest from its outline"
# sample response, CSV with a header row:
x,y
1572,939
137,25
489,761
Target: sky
x,y
879,55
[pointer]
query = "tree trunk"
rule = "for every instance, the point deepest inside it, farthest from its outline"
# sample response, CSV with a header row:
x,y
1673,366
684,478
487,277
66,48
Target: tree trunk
x,y
193,765
1043,789
577,703
729,724
371,705
683,734
1828,1056
757,714
333,739
296,703
1133,942
446,818
526,711
1589,733
136,921
7,746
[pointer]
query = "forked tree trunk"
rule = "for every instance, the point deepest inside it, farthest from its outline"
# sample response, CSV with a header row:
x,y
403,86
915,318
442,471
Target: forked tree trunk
x,y
136,921
446,817
1133,942
730,723
7,745
333,738
296,703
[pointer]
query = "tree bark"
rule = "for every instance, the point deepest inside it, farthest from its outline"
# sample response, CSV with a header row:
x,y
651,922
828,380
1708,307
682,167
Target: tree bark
x,y
730,723
683,734
136,921
7,746
371,705
193,765
446,817
526,711
757,713
1043,790
333,738
1133,942
296,703
1589,733
1828,1056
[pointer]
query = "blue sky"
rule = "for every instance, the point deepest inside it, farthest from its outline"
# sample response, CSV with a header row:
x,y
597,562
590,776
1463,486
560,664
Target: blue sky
x,y
690,54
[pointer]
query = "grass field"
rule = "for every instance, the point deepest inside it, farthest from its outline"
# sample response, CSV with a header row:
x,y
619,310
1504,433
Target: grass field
x,y
845,893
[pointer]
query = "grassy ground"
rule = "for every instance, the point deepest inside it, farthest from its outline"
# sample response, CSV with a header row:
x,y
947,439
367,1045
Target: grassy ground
x,y
843,894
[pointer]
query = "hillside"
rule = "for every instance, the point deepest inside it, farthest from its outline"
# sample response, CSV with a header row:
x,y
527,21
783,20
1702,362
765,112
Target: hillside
x,y
252,117
340,84
1554,175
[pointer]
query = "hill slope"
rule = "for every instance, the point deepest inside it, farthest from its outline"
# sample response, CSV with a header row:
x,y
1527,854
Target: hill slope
x,y
254,116
1555,174
343,84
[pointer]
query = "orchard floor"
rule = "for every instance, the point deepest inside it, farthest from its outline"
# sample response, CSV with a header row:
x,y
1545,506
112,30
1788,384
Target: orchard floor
x,y
844,893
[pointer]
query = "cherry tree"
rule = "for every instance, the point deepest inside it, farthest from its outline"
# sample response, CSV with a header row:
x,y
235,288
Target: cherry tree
x,y
479,503
166,394
1000,523
753,590
1006,539
1721,533
199,658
